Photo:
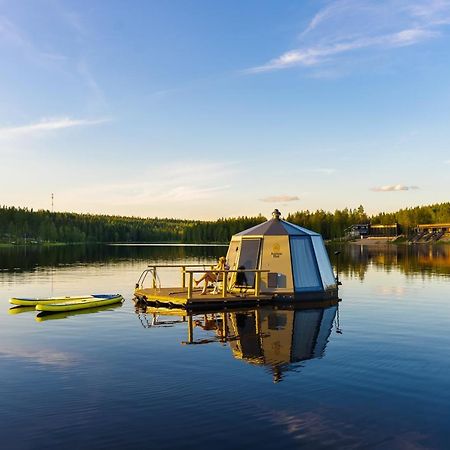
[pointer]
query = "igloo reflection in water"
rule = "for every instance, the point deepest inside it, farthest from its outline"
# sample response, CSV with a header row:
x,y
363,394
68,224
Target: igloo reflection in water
x,y
274,338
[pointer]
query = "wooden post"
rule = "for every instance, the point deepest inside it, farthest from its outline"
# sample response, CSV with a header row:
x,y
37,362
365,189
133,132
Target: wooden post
x,y
190,330
190,285
257,283
183,276
224,284
257,319
224,326
154,277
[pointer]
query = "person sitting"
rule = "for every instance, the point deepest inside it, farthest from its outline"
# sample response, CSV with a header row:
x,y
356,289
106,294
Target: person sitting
x,y
211,277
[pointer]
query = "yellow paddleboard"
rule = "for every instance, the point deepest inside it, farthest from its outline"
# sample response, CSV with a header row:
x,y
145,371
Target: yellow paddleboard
x,y
93,302
35,301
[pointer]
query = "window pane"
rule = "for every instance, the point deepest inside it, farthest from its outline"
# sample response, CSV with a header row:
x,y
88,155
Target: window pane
x,y
306,276
248,258
326,271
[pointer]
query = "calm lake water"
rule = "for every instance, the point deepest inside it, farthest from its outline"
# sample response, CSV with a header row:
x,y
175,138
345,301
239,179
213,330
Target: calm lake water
x,y
372,373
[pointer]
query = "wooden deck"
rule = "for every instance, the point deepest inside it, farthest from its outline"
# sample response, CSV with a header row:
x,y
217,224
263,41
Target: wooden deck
x,y
181,311
178,296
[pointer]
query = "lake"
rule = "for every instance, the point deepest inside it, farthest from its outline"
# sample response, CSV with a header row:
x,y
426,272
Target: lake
x,y
372,372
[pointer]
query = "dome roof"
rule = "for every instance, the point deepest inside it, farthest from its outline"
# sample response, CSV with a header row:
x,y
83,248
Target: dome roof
x,y
277,227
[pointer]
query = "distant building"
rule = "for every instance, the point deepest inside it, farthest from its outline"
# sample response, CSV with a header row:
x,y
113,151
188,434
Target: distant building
x,y
434,227
430,232
367,230
356,231
384,230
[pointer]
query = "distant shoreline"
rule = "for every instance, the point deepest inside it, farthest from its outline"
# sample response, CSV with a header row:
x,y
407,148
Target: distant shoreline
x,y
116,244
373,242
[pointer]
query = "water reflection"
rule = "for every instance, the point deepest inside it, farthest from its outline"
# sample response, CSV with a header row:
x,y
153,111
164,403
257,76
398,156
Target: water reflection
x,y
279,339
21,309
26,258
354,259
382,384
43,316
268,336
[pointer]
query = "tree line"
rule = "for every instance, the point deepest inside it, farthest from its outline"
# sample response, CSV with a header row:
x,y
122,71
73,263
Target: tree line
x,y
22,225
19,225
332,225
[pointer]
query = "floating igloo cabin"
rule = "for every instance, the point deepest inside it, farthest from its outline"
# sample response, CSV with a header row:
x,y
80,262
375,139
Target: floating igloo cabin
x,y
295,258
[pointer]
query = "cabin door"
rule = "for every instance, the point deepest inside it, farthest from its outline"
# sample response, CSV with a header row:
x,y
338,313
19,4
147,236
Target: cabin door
x,y
249,258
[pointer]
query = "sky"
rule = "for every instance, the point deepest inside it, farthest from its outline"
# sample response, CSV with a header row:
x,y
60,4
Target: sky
x,y
205,109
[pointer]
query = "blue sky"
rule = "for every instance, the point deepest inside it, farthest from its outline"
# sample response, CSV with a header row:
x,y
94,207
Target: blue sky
x,y
207,109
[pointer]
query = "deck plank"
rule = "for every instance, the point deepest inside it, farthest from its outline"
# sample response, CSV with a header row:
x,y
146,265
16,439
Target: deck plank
x,y
178,296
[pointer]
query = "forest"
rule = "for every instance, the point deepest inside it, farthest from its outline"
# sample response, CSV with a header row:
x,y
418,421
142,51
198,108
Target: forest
x,y
23,225
332,225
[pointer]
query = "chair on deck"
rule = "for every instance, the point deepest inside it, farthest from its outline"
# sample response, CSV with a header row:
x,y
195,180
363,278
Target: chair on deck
x,y
218,284
241,281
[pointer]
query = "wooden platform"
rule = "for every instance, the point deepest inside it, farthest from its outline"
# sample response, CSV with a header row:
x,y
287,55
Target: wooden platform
x,y
181,311
178,296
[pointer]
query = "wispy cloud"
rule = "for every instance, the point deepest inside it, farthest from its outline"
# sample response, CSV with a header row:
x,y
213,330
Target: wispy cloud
x,y
47,125
10,33
435,12
447,162
312,56
280,199
90,82
346,26
324,170
393,188
13,35
49,54
177,183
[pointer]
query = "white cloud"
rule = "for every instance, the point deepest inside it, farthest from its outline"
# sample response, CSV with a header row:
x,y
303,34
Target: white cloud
x,y
409,37
178,183
436,12
312,56
179,194
280,199
393,188
350,25
447,162
47,125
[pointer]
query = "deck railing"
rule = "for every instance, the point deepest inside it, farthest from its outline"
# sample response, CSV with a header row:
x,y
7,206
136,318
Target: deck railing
x,y
224,280
191,269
